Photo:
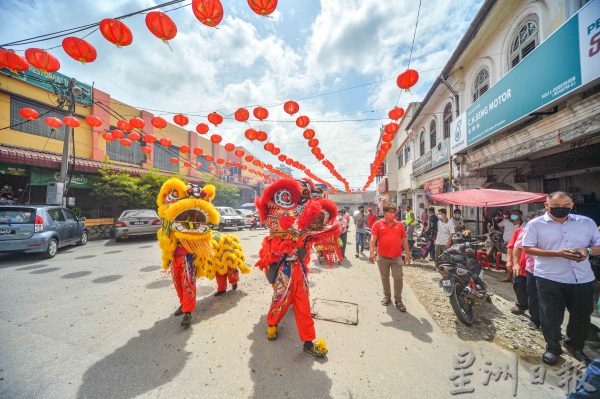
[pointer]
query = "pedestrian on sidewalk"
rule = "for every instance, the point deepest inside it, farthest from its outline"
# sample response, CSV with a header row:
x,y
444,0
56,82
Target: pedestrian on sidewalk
x,y
432,227
343,220
410,222
424,214
360,221
532,294
513,222
389,237
459,223
516,263
562,244
371,218
445,230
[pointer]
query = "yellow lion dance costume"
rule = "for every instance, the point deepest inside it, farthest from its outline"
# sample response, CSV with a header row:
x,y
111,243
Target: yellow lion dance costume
x,y
189,247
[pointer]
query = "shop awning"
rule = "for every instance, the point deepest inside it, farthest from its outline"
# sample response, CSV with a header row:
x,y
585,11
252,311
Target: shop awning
x,y
488,198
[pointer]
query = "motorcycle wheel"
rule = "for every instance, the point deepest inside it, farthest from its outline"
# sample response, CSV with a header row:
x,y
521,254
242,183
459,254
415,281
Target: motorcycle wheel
x,y
462,308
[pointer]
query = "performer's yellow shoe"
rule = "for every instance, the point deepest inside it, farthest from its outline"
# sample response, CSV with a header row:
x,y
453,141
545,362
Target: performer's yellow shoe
x,y
317,349
272,333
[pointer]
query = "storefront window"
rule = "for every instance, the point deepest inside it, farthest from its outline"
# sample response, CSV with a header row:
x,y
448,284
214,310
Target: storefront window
x,y
447,120
482,84
37,127
117,152
526,39
163,155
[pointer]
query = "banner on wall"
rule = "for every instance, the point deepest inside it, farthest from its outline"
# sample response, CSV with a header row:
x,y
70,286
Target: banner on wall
x,y
567,60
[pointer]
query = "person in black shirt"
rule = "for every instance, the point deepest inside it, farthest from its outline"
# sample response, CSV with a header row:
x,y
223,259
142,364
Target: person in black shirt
x,y
432,227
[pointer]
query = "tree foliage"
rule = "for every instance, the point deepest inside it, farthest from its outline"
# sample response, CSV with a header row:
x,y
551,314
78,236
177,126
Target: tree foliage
x,y
227,195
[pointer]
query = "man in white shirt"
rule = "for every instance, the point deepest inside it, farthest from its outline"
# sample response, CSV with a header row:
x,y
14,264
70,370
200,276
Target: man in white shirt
x,y
445,231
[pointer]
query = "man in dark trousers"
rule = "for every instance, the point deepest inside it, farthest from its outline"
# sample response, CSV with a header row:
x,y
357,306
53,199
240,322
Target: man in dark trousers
x,y
562,244
432,230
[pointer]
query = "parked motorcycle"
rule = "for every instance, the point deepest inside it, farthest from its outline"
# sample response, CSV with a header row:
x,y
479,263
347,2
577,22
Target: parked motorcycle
x,y
462,279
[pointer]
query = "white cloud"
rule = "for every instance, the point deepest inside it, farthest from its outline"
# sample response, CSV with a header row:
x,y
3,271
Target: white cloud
x,y
246,61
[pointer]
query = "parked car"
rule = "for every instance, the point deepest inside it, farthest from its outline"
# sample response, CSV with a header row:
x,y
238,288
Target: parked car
x,y
230,218
136,222
247,214
39,229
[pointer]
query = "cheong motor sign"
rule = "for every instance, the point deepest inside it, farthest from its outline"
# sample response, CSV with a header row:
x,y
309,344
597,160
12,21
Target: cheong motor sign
x,y
566,61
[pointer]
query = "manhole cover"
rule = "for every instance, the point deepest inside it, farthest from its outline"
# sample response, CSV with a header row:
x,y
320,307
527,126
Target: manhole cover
x,y
335,311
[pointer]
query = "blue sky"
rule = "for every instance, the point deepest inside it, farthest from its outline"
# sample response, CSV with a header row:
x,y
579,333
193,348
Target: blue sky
x,y
307,48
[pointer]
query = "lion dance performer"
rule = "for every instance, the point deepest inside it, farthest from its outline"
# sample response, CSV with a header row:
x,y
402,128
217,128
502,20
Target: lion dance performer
x,y
297,219
188,246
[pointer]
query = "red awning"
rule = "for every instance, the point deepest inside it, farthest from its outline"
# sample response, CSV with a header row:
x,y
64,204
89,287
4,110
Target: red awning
x,y
488,198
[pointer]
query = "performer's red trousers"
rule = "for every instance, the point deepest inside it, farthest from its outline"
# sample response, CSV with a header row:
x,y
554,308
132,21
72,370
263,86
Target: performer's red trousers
x,y
297,296
233,275
184,283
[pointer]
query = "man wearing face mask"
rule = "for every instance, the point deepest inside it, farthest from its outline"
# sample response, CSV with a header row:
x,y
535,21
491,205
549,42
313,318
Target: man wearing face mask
x,y
389,237
562,244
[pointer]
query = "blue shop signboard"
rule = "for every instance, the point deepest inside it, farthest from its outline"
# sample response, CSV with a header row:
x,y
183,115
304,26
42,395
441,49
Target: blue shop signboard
x,y
564,62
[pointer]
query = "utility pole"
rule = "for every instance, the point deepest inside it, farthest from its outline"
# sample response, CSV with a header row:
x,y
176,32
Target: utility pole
x,y
72,90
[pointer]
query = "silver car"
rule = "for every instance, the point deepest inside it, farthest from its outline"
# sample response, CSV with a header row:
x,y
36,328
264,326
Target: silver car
x,y
230,219
247,214
136,222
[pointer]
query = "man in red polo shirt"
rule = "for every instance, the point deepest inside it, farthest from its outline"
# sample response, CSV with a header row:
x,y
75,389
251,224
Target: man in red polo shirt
x,y
389,236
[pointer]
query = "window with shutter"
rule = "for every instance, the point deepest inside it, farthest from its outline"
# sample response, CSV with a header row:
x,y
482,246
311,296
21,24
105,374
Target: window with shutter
x,y
526,39
432,134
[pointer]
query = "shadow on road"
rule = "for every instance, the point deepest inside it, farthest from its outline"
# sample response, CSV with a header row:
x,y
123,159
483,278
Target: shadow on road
x,y
484,324
43,271
76,274
153,358
107,279
280,368
135,241
419,328
32,267
17,259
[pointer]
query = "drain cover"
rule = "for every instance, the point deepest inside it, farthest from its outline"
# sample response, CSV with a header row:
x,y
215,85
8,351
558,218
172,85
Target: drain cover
x,y
335,311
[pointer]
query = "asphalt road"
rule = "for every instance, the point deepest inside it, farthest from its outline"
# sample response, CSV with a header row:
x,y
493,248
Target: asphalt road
x,y
96,322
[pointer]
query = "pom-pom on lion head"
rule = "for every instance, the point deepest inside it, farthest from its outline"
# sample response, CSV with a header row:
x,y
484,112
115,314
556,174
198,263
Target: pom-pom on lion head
x,y
186,213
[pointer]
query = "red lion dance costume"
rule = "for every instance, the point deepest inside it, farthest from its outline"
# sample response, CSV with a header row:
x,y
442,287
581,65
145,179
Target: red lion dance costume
x,y
298,218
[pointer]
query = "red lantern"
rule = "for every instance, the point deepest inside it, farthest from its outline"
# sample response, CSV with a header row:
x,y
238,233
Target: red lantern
x,y
202,128
126,142
249,158
260,113
184,149
263,7
313,142
174,160
386,146
239,153
137,123
282,158
71,121
209,12
220,161
256,162
124,125
309,134
407,79
107,136
146,150
215,118
302,121
320,156
215,138
158,122
93,121
261,136
53,122
387,138
269,147
209,158
149,138
161,25
250,134
79,49
315,150
275,151
211,167
391,128
289,161
238,164
241,115
291,107
187,164
229,147
13,61
42,60
116,32
29,113
198,151
181,119
165,142
396,113
134,136
117,134
229,164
